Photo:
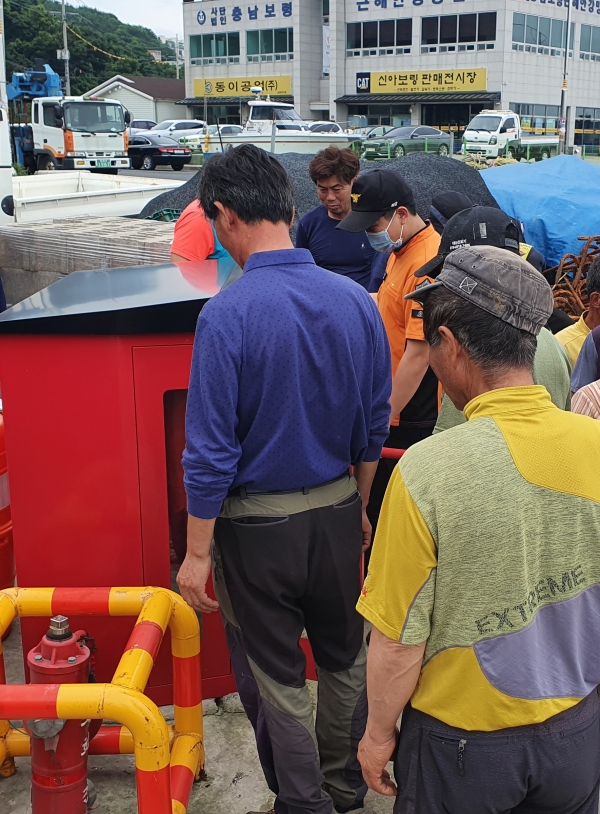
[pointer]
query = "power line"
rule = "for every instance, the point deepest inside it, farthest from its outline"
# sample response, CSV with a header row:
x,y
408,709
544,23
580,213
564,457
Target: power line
x,y
95,47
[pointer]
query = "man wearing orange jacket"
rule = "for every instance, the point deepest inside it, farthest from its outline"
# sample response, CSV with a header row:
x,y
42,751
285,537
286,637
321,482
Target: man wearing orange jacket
x,y
383,205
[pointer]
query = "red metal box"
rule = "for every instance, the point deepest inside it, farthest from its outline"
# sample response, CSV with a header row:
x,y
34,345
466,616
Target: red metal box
x,y
94,373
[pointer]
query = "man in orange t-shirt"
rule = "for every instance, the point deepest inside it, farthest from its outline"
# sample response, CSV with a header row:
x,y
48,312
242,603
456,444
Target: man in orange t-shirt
x,y
193,238
383,205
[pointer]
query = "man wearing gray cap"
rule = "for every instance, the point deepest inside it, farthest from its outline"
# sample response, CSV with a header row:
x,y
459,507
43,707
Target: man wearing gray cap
x,y
484,581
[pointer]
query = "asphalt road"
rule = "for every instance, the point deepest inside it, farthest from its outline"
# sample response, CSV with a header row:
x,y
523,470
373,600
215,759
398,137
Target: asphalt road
x,y
163,172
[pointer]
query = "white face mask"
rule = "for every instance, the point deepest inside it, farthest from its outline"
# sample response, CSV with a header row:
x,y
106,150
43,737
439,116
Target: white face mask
x,y
382,242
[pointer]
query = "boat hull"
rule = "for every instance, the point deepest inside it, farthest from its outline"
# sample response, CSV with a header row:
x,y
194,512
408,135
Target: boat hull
x,y
305,143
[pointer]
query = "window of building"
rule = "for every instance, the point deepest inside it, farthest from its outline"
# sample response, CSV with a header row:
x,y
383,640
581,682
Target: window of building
x,y
404,33
541,35
587,127
270,45
448,28
215,49
379,38
387,33
379,115
452,118
353,36
486,27
370,35
589,44
462,32
430,30
537,119
467,28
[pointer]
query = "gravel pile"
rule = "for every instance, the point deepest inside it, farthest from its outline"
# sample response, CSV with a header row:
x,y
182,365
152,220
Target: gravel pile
x,y
427,175
177,198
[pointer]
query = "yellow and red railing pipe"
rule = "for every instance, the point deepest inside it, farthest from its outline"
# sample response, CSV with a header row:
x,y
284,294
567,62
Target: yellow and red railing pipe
x,y
164,775
110,740
96,701
137,661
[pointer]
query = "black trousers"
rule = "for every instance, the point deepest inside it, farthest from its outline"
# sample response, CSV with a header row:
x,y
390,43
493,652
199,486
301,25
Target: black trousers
x,y
401,437
548,768
275,576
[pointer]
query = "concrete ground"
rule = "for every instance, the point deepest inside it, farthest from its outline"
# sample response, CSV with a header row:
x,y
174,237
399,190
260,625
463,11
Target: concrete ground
x,y
234,783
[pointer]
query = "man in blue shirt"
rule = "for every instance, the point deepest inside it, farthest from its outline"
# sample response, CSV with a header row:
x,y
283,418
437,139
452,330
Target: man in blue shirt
x,y
333,171
289,387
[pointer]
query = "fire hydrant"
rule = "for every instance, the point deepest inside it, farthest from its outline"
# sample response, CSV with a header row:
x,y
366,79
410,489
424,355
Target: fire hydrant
x,y
59,749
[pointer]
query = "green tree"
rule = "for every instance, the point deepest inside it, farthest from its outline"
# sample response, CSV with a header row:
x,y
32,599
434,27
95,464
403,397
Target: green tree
x,y
33,32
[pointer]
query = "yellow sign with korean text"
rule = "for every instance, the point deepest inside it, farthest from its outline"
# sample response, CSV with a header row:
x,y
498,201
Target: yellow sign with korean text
x,y
457,79
242,86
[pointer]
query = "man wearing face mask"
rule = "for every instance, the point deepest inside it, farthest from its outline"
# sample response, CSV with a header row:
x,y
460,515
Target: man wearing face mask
x,y
383,205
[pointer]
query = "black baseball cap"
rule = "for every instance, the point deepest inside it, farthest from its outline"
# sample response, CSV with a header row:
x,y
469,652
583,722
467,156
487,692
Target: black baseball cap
x,y
446,205
374,194
477,226
497,281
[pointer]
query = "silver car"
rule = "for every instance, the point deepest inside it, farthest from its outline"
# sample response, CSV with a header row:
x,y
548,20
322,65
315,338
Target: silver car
x,y
176,128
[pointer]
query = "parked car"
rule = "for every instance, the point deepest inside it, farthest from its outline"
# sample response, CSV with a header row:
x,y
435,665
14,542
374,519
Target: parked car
x,y
325,127
150,149
225,129
196,141
377,132
179,127
403,140
139,125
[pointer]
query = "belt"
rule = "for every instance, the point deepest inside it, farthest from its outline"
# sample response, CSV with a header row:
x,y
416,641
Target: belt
x,y
241,491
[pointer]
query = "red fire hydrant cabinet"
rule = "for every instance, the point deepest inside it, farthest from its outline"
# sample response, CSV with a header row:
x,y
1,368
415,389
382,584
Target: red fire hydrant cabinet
x,y
94,374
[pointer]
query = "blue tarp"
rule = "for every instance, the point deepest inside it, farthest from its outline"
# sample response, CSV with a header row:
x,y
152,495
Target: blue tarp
x,y
557,201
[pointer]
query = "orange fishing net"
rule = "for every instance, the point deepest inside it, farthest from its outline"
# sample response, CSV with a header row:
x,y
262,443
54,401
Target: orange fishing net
x,y
568,278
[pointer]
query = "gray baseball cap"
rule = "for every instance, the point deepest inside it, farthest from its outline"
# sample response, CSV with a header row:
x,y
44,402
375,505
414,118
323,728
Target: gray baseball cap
x,y
497,281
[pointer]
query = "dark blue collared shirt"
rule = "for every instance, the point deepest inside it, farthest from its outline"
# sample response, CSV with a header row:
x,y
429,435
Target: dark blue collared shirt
x,y
290,381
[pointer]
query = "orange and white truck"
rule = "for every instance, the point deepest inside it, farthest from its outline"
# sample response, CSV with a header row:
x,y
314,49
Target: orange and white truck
x,y
78,133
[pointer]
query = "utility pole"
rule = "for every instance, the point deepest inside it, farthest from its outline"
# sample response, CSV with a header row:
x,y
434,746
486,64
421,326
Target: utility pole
x,y
562,129
66,55
177,54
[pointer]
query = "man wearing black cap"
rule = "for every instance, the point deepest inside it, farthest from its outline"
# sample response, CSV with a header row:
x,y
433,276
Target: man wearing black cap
x,y
383,205
487,226
484,582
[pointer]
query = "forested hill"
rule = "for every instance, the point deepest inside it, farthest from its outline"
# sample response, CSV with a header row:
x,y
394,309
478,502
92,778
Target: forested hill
x,y
32,31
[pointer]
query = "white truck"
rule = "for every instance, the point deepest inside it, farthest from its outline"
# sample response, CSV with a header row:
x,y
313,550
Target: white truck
x,y
52,196
494,133
76,133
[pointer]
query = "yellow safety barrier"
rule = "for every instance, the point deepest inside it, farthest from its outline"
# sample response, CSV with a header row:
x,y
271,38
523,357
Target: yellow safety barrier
x,y
167,760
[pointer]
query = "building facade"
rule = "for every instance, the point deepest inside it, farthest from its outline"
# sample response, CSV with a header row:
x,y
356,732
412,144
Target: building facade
x,y
391,62
146,97
177,48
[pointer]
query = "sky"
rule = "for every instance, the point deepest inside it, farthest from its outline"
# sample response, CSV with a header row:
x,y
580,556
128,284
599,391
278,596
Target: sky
x,y
162,16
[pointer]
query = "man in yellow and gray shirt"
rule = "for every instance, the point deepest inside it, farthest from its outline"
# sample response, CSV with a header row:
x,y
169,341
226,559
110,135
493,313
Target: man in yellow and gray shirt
x,y
484,582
